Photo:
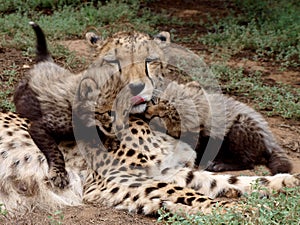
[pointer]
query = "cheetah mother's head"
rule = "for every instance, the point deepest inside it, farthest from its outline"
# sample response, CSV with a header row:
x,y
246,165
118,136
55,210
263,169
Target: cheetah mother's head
x,y
137,58
122,79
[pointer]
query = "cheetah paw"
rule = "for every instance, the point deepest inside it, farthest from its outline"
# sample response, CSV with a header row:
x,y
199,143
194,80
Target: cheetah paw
x,y
280,181
292,181
59,178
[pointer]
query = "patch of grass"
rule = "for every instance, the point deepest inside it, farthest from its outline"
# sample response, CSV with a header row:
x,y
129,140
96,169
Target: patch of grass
x,y
8,78
279,208
23,6
68,20
3,211
56,218
68,58
269,29
280,99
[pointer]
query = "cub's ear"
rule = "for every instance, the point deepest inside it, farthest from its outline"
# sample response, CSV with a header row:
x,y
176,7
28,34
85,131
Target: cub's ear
x,y
87,89
93,39
163,37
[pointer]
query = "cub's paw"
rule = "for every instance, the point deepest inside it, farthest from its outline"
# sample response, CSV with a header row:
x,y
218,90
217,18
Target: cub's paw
x,y
216,166
59,178
162,109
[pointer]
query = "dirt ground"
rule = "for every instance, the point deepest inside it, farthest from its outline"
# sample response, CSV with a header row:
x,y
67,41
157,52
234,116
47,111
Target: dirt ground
x,y
287,132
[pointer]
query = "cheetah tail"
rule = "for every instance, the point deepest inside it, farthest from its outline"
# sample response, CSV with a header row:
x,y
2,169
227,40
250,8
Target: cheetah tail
x,y
42,53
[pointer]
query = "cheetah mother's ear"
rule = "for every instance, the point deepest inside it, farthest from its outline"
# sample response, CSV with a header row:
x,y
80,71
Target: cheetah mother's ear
x,y
163,37
93,39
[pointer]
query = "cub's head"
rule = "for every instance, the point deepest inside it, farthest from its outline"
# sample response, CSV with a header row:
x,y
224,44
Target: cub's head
x,y
137,58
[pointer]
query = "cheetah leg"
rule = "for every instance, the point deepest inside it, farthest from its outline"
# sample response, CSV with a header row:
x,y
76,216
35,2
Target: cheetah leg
x,y
57,172
225,185
146,197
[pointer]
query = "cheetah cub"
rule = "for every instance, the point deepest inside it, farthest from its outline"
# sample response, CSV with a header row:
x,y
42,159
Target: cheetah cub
x,y
242,134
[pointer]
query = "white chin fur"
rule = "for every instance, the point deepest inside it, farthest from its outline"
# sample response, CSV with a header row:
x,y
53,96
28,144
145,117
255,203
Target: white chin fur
x,y
138,108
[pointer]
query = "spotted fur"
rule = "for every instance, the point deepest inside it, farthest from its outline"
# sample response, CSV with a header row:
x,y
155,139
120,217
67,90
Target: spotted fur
x,y
24,180
140,170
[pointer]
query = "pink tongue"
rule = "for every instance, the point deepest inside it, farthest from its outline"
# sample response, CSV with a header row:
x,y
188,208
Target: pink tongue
x,y
136,100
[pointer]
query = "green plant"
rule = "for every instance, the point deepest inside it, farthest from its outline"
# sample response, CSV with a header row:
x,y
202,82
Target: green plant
x,y
3,211
56,218
8,78
25,6
268,29
65,20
